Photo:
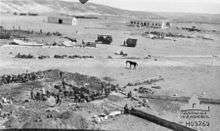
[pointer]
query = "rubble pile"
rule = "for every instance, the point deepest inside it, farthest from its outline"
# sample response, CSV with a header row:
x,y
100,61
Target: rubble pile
x,y
85,88
49,119
77,56
17,32
68,91
109,79
102,117
42,106
3,33
72,57
54,33
147,82
143,90
43,57
121,53
60,56
191,29
148,57
156,87
24,56
20,78
163,35
29,56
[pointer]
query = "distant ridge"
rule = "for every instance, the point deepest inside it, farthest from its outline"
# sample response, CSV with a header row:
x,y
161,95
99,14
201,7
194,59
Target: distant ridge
x,y
70,8
191,17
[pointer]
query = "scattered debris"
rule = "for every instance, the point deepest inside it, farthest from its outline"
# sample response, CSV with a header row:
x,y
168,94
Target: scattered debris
x,y
163,35
51,101
110,57
32,14
13,43
143,90
72,57
148,57
103,116
43,57
21,33
191,29
25,42
23,56
77,56
89,44
148,82
4,34
156,87
121,53
204,38
21,78
70,39
131,58
85,89
60,56
109,79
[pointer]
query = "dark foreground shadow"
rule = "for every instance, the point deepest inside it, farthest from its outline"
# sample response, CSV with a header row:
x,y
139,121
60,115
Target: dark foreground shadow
x,y
49,130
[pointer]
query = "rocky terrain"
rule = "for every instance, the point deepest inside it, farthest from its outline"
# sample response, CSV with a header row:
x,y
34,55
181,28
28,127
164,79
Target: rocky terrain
x,y
52,85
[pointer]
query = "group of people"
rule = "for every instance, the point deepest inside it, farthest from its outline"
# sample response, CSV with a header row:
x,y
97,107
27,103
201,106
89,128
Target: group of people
x,y
64,90
4,102
43,95
81,94
20,78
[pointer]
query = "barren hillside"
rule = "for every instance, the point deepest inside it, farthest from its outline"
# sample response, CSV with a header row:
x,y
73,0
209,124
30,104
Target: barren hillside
x,y
65,7
192,18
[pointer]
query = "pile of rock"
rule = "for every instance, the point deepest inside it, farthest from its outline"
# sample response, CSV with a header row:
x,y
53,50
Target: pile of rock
x,y
72,57
82,94
78,56
24,56
20,78
60,56
74,86
163,35
121,53
101,117
43,57
143,90
147,82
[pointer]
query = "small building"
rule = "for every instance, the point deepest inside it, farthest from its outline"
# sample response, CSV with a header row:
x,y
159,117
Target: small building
x,y
67,19
150,23
60,20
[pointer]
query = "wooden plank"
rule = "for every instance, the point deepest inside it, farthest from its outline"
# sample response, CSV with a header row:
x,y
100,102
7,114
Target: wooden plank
x,y
162,122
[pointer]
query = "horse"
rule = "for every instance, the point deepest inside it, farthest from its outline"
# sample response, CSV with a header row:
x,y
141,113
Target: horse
x,y
135,64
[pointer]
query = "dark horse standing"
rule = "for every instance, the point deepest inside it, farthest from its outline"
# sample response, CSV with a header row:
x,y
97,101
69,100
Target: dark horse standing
x,y
135,64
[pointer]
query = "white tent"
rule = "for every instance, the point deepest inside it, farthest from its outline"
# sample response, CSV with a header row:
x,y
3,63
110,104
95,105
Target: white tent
x,y
23,43
74,21
69,43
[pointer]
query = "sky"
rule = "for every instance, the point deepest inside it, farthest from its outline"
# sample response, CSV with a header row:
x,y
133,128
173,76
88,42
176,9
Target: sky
x,y
189,6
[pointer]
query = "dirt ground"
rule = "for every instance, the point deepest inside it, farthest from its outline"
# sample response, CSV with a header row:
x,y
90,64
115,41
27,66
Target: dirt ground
x,y
188,66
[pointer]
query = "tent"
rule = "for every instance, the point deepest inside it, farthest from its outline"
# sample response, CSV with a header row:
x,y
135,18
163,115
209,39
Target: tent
x,y
68,43
24,43
74,21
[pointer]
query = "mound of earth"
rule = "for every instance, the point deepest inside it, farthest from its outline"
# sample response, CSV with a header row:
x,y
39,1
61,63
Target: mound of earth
x,y
40,103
